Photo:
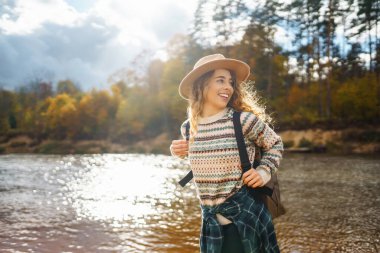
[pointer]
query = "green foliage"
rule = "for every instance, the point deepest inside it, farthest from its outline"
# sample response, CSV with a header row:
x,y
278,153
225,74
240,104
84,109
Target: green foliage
x,y
334,147
362,136
304,143
56,147
95,115
174,107
16,144
67,86
357,99
7,112
288,144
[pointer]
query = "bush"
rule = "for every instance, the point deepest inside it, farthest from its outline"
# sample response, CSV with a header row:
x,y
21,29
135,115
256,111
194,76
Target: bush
x,y
304,143
56,147
288,144
16,144
361,136
332,146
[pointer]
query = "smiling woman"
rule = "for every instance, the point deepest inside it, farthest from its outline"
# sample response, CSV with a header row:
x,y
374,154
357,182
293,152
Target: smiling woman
x,y
232,221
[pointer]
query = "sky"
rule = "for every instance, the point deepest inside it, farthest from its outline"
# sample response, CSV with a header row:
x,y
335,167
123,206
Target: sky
x,y
89,41
85,41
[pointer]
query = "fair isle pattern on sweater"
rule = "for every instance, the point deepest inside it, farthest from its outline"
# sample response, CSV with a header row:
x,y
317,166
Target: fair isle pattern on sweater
x,y
214,156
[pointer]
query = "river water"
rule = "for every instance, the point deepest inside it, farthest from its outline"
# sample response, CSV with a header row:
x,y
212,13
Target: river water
x,y
132,203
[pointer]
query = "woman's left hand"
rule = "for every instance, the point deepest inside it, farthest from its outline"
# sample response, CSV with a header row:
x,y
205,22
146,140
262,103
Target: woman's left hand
x,y
252,179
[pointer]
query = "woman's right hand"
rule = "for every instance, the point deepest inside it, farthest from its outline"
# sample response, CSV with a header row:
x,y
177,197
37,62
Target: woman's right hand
x,y
179,148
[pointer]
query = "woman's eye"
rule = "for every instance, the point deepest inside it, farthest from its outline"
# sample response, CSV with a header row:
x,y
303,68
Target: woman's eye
x,y
220,80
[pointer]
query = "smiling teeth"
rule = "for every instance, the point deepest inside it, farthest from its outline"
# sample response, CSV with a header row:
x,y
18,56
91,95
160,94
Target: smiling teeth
x,y
224,95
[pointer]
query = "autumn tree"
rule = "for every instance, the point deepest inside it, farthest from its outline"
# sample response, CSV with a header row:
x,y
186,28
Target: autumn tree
x,y
61,116
97,112
67,86
8,105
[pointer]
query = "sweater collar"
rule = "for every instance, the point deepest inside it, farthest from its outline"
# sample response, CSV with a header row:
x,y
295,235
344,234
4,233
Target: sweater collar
x,y
215,117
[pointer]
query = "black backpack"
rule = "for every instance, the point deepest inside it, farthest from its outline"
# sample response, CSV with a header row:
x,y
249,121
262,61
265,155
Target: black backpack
x,y
269,194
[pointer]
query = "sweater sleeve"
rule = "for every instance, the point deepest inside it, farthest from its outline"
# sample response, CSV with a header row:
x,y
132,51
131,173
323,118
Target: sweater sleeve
x,y
257,131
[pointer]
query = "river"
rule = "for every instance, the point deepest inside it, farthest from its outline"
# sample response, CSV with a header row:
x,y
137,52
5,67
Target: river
x,y
132,203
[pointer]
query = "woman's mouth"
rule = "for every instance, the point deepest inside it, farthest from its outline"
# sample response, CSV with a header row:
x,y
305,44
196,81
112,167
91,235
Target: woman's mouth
x,y
224,96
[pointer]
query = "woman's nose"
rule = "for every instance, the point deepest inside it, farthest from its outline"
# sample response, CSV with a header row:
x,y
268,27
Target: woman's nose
x,y
228,86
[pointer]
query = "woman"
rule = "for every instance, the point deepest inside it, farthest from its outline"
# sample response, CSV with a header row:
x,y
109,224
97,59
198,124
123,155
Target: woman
x,y
232,221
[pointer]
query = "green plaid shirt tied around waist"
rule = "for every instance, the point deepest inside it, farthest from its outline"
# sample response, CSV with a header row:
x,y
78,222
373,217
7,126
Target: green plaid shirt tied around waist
x,y
252,219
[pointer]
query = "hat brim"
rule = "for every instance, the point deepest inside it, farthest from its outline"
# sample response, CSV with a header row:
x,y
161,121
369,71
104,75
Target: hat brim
x,y
241,69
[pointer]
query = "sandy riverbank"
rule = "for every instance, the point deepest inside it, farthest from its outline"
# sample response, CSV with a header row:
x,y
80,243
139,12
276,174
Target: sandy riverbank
x,y
24,144
346,141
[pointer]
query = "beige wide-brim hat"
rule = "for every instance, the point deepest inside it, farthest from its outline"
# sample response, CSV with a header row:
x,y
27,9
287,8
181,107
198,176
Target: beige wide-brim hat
x,y
212,62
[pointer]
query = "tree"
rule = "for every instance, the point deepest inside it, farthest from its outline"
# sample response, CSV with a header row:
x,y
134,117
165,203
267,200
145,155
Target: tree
x,y
329,30
7,113
154,74
61,116
267,17
97,112
367,19
67,86
352,66
227,22
173,106
222,27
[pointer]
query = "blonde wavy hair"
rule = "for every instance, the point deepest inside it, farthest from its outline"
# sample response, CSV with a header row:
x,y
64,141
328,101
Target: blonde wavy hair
x,y
244,99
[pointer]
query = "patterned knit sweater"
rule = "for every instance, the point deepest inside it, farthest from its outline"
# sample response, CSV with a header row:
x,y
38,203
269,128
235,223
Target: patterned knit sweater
x,y
214,156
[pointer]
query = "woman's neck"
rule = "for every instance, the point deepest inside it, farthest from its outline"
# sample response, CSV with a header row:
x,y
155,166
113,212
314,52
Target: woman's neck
x,y
207,111
213,117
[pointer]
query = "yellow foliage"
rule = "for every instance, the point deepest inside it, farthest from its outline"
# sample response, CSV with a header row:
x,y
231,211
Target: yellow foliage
x,y
357,99
296,96
173,73
61,115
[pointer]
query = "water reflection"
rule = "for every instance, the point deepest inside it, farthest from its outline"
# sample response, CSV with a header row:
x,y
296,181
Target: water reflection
x,y
116,189
93,203
132,203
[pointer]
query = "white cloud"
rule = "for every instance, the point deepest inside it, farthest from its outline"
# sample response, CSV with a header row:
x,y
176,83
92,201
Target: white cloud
x,y
81,53
53,36
146,20
29,15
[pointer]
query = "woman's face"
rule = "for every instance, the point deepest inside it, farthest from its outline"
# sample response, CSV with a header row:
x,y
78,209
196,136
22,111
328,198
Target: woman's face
x,y
218,91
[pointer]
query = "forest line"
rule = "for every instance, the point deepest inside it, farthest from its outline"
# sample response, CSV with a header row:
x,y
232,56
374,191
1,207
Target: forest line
x,y
330,86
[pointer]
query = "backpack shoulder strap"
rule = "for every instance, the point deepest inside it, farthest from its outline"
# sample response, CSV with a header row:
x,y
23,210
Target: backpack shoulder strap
x,y
189,175
187,127
245,163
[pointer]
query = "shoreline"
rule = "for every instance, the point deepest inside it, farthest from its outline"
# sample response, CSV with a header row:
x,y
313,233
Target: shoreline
x,y
346,141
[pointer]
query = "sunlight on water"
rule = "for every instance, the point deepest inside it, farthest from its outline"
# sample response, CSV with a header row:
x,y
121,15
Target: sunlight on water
x,y
119,188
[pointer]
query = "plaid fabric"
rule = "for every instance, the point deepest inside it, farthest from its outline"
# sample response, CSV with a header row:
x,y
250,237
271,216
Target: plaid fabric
x,y
252,219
